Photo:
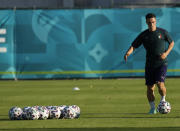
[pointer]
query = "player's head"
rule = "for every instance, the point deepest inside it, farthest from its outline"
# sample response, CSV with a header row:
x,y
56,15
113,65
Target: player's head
x,y
151,21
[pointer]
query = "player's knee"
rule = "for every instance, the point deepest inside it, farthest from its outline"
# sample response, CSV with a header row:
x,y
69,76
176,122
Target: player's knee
x,y
160,85
150,89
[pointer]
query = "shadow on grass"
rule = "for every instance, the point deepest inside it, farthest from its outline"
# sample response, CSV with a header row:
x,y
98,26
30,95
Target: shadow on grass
x,y
96,129
117,116
127,116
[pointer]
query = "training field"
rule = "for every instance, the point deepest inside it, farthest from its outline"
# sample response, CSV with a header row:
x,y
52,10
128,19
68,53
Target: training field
x,y
107,104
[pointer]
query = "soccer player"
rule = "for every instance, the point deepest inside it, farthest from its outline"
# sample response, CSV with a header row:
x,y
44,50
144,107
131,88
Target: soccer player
x,y
154,40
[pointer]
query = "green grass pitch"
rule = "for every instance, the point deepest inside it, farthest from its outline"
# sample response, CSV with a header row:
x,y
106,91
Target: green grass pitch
x,y
107,104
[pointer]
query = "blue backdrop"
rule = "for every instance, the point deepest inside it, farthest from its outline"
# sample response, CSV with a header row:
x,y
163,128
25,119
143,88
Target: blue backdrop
x,y
79,42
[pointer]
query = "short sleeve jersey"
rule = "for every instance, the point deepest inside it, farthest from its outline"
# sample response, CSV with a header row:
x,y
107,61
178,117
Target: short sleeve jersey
x,y
155,43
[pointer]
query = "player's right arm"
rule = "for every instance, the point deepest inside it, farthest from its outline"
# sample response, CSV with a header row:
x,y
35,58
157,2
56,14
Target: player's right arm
x,y
129,51
136,43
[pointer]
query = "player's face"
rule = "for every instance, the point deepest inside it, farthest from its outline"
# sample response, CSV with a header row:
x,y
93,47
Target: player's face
x,y
151,22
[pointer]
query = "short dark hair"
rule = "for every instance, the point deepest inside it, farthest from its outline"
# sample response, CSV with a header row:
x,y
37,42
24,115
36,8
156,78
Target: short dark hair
x,y
150,15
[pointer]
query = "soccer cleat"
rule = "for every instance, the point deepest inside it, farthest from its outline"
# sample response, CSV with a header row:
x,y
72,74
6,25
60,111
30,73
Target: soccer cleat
x,y
152,111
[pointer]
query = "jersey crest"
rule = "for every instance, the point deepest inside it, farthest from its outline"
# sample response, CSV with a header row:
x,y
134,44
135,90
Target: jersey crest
x,y
160,36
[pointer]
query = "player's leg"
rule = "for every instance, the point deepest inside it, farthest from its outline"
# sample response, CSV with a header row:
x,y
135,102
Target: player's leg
x,y
150,93
150,82
160,79
151,98
162,90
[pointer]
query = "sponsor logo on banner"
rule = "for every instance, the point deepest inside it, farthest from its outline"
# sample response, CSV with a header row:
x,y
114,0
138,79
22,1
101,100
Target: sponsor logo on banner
x,y
2,39
2,31
3,49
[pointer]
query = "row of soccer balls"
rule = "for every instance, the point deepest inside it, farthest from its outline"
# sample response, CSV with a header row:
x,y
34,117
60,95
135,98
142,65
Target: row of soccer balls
x,y
44,112
164,107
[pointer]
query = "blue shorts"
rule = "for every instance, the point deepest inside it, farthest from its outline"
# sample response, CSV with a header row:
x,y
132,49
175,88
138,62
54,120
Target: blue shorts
x,y
154,75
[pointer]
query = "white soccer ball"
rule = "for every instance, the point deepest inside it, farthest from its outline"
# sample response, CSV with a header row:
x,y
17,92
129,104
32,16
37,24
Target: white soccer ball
x,y
24,114
54,112
36,107
76,110
32,114
49,107
69,113
61,107
15,113
43,113
164,107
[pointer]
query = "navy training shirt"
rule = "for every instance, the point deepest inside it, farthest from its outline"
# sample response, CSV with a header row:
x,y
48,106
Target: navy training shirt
x,y
155,43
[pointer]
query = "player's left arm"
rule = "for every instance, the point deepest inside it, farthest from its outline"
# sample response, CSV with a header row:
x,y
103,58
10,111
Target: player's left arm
x,y
165,54
169,39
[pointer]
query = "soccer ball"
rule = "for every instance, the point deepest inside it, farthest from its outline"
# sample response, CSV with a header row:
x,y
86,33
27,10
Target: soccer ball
x,y
76,110
164,107
69,113
54,112
61,107
15,113
43,112
32,113
24,114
